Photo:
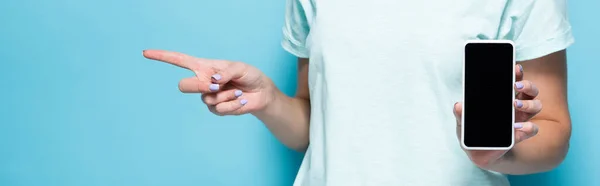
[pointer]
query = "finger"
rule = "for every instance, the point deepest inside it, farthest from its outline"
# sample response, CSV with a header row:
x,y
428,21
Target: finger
x,y
196,85
212,109
457,115
529,106
525,131
458,111
220,97
526,89
232,72
174,58
519,72
234,107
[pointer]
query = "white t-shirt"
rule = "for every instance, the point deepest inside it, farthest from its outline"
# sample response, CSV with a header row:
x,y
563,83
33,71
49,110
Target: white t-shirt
x,y
384,76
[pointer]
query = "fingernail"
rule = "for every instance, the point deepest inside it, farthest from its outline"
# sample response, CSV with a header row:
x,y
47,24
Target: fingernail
x,y
216,77
519,103
213,87
519,85
243,101
518,125
521,68
238,93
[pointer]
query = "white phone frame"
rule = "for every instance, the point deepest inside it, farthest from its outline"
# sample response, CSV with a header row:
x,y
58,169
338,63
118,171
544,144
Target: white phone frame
x,y
462,118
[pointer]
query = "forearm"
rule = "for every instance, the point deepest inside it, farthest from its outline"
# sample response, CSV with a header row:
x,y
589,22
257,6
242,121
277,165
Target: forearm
x,y
541,153
288,119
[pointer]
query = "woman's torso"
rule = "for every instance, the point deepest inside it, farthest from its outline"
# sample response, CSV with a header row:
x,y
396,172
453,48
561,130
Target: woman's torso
x,y
383,77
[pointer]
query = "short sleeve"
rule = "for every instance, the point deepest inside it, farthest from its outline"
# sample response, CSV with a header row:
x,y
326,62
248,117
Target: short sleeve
x,y
296,28
537,27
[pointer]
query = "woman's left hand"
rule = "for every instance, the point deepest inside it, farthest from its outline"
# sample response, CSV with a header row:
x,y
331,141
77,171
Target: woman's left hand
x,y
526,106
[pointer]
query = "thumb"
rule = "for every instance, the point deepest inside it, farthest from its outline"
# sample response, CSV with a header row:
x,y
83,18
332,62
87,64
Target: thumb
x,y
233,71
457,110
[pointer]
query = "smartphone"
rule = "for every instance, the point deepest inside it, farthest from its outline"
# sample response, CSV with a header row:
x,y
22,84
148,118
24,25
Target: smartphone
x,y
488,112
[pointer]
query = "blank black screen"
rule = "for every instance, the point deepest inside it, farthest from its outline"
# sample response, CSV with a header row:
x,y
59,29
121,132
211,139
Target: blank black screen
x,y
488,101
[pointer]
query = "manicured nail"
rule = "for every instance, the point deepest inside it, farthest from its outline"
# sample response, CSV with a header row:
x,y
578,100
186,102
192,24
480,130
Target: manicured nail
x,y
216,77
518,125
519,103
243,101
519,85
213,87
521,68
238,93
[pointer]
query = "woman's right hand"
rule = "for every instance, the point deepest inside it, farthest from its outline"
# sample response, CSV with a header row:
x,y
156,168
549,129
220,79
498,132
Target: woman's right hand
x,y
227,88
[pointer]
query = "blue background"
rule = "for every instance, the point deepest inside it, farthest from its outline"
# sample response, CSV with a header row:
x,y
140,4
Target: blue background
x,y
80,106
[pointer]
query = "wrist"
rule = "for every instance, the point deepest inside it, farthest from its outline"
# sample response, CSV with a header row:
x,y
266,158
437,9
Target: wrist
x,y
272,101
272,106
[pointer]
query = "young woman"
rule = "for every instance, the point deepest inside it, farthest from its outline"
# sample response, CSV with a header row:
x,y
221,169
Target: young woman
x,y
379,83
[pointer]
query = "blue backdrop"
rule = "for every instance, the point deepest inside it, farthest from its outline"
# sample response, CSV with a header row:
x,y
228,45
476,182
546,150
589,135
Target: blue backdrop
x,y
80,106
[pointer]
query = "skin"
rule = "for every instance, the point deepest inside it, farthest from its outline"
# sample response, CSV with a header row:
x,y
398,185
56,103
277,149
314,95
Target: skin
x,y
286,117
542,135
542,141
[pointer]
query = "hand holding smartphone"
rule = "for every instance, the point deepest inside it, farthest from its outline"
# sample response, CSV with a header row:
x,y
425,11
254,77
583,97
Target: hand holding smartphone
x,y
488,114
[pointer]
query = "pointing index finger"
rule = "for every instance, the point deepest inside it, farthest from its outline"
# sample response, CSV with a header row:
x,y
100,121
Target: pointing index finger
x,y
174,58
